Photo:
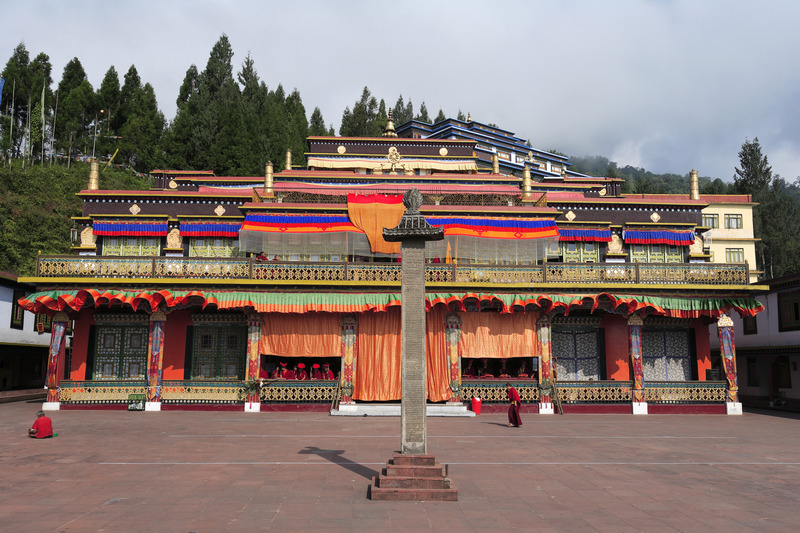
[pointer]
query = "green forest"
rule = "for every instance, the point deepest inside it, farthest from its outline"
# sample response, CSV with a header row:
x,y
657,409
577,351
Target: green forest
x,y
233,123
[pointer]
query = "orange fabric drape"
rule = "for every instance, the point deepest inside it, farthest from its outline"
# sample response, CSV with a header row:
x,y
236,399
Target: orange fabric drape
x,y
498,336
378,376
372,216
301,335
436,366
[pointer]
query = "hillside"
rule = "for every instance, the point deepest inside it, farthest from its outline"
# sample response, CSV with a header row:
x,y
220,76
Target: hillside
x,y
36,205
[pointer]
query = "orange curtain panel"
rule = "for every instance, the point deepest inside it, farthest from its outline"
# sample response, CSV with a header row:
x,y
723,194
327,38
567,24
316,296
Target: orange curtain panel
x,y
301,335
372,213
437,371
496,336
378,376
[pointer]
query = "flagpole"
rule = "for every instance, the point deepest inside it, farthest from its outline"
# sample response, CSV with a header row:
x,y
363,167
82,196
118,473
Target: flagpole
x,y
43,124
11,132
53,131
27,135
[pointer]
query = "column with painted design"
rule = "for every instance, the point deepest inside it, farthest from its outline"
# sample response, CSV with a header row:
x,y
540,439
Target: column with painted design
x,y
155,360
635,324
58,344
253,399
349,357
727,349
452,324
545,362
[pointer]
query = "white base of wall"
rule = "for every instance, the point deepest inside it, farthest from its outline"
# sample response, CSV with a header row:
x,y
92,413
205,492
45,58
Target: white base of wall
x,y
733,408
252,407
546,409
51,406
152,406
640,408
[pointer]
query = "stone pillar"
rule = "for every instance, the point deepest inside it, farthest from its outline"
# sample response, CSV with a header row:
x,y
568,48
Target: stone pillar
x,y
58,344
412,233
452,324
155,360
252,403
545,362
727,349
349,359
635,324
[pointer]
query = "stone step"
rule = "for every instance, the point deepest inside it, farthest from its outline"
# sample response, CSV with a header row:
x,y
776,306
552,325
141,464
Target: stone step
x,y
424,471
441,495
405,482
404,459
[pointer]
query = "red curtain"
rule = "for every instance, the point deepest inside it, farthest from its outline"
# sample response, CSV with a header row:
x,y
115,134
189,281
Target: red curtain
x,y
437,371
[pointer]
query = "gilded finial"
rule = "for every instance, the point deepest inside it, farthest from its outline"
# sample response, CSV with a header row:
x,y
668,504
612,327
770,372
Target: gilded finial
x,y
389,131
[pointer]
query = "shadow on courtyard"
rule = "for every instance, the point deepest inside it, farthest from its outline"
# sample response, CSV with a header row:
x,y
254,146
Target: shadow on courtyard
x,y
336,457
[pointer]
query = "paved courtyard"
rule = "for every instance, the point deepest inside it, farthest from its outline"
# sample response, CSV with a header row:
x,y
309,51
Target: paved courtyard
x,y
230,471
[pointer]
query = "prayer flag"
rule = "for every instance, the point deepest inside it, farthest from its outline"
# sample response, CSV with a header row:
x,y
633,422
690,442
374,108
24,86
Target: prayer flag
x,y
2,82
43,87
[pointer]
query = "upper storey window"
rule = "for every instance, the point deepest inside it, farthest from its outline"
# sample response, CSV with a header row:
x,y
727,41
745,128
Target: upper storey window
x,y
711,221
137,246
733,222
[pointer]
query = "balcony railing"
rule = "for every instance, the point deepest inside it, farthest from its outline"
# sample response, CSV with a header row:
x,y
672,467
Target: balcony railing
x,y
212,268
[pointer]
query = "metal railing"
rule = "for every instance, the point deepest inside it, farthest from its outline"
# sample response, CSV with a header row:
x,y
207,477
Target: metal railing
x,y
212,268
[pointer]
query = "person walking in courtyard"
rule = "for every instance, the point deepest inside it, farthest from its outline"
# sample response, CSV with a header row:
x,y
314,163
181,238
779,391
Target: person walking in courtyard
x,y
42,427
514,419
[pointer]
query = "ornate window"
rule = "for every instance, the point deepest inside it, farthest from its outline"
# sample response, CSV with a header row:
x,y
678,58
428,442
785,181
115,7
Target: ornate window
x,y
120,349
17,312
214,247
136,246
219,347
576,351
666,354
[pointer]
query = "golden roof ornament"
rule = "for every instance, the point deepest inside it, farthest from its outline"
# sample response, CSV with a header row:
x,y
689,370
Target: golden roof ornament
x,y
389,131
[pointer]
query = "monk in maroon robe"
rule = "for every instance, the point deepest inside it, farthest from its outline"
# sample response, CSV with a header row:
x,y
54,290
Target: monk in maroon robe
x,y
327,373
514,419
316,373
300,372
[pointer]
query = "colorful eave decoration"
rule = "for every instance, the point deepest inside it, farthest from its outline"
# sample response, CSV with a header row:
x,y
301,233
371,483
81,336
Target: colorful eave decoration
x,y
584,235
210,229
131,229
660,236
675,306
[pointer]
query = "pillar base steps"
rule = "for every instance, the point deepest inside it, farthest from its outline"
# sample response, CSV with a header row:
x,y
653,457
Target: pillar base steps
x,y
413,477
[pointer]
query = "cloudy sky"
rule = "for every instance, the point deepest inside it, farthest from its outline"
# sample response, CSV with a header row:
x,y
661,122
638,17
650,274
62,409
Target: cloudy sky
x,y
664,85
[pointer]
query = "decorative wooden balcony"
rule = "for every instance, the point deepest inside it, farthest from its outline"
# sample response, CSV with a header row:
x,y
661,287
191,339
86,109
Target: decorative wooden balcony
x,y
316,391
208,270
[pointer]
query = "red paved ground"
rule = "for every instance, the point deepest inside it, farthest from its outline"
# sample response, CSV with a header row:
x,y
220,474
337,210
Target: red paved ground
x,y
225,471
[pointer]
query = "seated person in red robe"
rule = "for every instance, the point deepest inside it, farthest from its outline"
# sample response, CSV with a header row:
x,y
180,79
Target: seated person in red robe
x,y
261,257
503,369
289,374
316,373
300,372
485,372
280,372
469,371
327,373
42,427
523,371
